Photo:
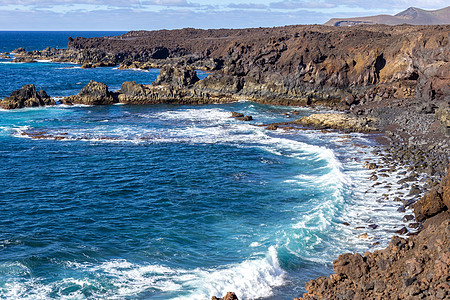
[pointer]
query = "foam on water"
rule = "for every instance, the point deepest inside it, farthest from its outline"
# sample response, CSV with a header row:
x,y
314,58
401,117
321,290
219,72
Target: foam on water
x,y
250,279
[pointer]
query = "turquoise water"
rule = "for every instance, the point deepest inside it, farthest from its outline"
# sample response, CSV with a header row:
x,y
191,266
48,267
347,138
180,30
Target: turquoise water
x,y
171,201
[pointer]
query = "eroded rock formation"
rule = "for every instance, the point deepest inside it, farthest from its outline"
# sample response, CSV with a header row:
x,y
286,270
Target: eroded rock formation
x,y
27,96
94,93
286,65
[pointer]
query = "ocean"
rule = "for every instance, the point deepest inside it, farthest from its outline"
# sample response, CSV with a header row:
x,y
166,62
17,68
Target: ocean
x,y
173,201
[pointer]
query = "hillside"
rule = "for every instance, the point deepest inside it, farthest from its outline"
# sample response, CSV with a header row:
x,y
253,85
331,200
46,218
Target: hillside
x,y
412,16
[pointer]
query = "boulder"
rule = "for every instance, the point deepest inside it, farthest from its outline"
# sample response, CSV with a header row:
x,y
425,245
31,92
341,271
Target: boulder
x,y
429,205
132,89
94,93
337,121
443,115
351,265
176,76
241,117
27,96
228,296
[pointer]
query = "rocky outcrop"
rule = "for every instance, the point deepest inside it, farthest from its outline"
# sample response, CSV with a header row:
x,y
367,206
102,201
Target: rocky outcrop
x,y
94,93
27,96
413,268
173,85
241,116
430,205
179,77
338,121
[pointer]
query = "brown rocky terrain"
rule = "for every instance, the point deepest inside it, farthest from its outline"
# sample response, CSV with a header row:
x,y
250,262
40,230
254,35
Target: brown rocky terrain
x,y
287,65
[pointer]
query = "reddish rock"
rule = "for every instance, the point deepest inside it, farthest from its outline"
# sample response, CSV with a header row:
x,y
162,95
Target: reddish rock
x,y
429,205
228,296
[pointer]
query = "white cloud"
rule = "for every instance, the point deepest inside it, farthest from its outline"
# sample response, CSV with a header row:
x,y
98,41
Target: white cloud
x,y
247,6
156,14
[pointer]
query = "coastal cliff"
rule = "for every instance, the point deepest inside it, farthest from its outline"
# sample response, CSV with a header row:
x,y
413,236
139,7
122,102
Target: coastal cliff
x,y
290,65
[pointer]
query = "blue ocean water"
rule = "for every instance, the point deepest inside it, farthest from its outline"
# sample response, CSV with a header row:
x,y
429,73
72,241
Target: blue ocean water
x,y
173,201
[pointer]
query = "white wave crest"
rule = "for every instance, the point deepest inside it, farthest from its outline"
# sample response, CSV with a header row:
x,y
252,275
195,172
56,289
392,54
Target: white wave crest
x,y
250,279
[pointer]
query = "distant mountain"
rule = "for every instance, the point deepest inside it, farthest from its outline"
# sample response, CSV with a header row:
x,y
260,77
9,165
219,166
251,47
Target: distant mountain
x,y
413,16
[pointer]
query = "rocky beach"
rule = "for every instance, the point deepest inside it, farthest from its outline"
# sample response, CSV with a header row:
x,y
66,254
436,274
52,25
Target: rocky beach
x,y
392,82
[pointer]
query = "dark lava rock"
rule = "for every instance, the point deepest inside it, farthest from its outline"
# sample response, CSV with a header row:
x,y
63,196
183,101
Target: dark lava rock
x,y
176,76
414,225
407,179
94,93
27,96
242,117
272,127
401,209
236,114
23,60
245,118
19,50
407,218
403,230
415,190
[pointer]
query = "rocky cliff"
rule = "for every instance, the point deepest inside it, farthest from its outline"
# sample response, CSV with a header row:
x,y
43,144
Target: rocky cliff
x,y
286,65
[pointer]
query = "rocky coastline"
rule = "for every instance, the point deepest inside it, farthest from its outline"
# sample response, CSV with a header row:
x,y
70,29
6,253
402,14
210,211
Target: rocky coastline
x,y
394,80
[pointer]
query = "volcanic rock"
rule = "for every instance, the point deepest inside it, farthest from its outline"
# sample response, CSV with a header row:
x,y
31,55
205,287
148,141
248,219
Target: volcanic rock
x,y
176,76
429,205
27,96
413,268
337,121
94,93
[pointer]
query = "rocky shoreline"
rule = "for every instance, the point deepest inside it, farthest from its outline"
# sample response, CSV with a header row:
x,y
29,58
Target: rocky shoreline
x,y
391,80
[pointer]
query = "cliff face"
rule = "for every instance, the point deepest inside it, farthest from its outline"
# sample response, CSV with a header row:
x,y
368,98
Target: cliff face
x,y
300,64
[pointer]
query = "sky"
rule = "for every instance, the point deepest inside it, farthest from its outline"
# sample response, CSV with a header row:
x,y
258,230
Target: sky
x,y
124,15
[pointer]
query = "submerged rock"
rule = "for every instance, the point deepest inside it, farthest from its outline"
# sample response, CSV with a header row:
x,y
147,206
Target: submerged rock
x,y
27,96
241,116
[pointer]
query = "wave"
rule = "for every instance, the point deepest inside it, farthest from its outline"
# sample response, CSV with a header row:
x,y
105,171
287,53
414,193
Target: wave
x,y
118,279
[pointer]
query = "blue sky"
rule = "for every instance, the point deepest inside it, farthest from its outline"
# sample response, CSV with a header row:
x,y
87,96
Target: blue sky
x,y
169,14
